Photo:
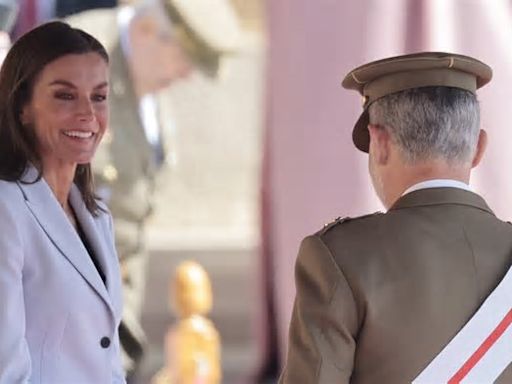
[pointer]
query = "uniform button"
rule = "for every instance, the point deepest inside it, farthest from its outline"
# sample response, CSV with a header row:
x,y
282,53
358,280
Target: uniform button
x,y
105,342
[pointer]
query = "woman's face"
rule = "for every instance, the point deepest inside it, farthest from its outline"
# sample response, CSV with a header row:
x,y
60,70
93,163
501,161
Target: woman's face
x,y
68,109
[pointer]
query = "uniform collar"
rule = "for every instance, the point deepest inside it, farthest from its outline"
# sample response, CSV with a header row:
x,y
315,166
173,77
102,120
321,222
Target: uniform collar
x,y
437,183
441,196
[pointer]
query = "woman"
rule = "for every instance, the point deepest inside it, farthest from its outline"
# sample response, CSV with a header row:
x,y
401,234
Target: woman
x,y
60,290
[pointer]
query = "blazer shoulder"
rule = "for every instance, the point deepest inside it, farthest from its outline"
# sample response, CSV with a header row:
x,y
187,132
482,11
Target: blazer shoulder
x,y
10,191
6,185
339,222
103,206
104,215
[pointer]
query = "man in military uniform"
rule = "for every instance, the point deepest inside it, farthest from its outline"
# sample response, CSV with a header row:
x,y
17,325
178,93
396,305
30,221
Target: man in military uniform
x,y
152,44
379,296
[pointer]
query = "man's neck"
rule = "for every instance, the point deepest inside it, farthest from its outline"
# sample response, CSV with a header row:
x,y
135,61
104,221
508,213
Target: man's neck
x,y
409,175
437,183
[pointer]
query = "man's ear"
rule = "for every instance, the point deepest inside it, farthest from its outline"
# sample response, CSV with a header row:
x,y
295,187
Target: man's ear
x,y
380,142
480,148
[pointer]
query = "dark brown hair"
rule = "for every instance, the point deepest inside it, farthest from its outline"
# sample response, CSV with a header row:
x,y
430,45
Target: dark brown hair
x,y
20,69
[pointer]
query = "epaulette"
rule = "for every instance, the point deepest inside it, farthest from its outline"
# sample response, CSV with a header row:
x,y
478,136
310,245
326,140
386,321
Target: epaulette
x,y
340,220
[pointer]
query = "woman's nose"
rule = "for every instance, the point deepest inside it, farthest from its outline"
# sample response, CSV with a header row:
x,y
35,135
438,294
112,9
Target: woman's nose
x,y
86,111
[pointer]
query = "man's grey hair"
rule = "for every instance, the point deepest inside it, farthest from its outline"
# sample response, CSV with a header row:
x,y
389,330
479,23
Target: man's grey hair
x,y
430,123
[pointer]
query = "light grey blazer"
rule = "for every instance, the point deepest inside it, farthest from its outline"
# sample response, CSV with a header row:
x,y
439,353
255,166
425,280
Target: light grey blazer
x,y
58,320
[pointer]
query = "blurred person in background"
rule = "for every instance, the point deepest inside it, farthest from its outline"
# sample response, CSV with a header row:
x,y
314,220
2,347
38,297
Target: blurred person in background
x,y
68,7
34,12
152,44
8,14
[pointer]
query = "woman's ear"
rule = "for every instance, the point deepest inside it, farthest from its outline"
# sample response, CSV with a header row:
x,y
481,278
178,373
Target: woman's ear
x,y
480,148
379,143
26,115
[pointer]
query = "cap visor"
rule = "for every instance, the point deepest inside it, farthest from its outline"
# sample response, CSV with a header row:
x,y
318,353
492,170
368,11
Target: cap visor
x,y
360,134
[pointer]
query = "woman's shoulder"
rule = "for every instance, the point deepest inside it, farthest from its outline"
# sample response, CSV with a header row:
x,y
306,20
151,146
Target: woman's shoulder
x,y
103,208
11,198
104,212
13,187
9,189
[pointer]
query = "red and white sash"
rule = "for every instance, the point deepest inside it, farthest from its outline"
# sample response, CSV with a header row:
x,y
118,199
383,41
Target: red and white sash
x,y
482,349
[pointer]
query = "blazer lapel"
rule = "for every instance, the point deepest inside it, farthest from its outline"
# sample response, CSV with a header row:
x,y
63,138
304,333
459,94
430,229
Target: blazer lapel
x,y
93,234
52,219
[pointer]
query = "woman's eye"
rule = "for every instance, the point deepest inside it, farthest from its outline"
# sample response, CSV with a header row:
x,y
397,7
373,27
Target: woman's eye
x,y
64,96
99,98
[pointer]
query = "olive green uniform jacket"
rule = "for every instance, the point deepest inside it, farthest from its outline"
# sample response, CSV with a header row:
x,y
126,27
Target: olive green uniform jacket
x,y
378,297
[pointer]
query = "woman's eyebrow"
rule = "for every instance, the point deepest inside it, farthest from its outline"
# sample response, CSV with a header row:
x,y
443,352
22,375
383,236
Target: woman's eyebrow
x,y
101,85
63,82
70,84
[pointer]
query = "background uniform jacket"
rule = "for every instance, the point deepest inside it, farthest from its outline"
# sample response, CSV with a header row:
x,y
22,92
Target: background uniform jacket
x,y
58,320
125,170
378,297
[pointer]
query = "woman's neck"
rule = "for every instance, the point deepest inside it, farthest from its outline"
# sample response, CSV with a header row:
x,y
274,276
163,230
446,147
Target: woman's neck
x,y
60,178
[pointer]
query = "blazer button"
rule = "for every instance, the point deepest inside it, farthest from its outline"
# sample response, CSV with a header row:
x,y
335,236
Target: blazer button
x,y
105,342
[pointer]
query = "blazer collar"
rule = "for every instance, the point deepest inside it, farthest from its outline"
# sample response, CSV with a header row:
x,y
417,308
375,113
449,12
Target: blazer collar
x,y
54,222
440,196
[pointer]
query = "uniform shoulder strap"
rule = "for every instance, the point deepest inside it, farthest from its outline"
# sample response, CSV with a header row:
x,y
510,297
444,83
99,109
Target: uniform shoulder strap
x,y
340,220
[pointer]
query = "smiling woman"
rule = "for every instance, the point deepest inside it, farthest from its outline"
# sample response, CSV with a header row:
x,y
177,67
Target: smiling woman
x,y
60,284
68,110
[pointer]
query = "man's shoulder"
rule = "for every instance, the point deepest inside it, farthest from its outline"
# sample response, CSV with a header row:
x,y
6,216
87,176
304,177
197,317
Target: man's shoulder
x,y
101,23
349,236
344,223
88,17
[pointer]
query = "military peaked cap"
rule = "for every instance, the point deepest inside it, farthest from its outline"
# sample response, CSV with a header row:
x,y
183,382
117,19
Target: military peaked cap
x,y
384,77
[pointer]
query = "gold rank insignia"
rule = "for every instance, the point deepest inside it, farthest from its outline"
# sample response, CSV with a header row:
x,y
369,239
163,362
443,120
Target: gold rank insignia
x,y
335,221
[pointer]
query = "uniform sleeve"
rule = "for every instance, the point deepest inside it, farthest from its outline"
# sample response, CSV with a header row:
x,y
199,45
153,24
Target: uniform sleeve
x,y
321,342
15,365
102,168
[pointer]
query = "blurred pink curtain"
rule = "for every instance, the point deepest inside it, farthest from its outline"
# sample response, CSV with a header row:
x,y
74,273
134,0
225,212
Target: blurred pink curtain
x,y
313,173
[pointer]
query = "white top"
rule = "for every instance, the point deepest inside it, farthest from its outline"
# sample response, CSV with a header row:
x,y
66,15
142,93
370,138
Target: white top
x,y
438,183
